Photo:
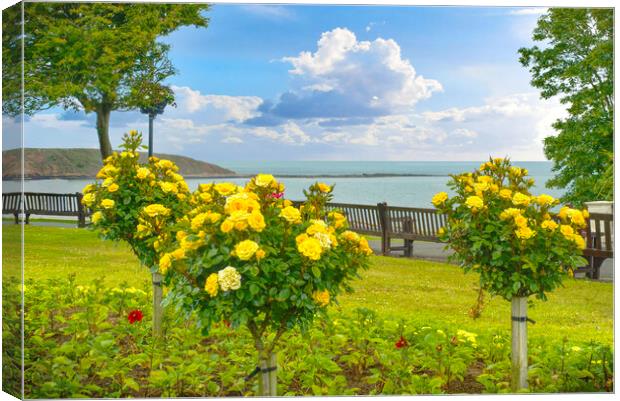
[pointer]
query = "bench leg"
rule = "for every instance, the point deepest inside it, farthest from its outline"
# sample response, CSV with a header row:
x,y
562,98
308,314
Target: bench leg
x,y
408,247
81,221
16,218
596,268
385,248
27,218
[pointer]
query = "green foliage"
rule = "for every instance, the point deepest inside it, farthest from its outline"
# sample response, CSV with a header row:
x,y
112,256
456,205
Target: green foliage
x,y
90,56
246,255
127,190
79,343
499,230
576,63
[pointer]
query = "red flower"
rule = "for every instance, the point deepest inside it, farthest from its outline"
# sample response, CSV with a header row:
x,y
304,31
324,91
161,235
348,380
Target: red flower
x,y
401,343
276,195
135,316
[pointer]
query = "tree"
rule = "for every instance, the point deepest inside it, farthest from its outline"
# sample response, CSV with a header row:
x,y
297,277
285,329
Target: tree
x,y
576,63
90,56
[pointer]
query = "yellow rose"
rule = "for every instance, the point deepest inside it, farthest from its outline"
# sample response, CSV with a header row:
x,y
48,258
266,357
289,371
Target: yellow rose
x,y
178,254
439,198
301,238
225,188
524,233
321,297
545,200
567,231
229,279
474,203
88,188
520,221
520,199
351,236
263,180
563,213
339,219
324,187
113,188
143,173
485,178
364,247
164,263
96,217
198,221
291,214
107,203
585,213
227,226
211,285
256,221
287,203
246,249
576,217
169,187
505,193
317,226
165,164
156,209
579,241
89,199
310,248
260,254
549,225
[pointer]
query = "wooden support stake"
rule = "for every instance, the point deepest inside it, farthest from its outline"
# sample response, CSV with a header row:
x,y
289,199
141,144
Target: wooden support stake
x,y
263,378
158,310
519,343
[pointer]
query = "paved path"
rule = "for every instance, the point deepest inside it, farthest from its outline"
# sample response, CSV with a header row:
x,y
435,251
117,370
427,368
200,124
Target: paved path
x,y
436,252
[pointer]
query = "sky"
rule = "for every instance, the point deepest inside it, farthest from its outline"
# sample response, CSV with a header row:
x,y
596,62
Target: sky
x,y
275,82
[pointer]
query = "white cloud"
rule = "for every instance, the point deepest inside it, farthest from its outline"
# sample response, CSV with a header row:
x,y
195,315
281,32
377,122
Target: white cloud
x,y
232,139
529,11
237,108
354,78
467,133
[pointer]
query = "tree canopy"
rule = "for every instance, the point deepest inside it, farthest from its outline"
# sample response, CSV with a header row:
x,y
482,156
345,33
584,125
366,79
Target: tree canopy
x,y
91,56
575,61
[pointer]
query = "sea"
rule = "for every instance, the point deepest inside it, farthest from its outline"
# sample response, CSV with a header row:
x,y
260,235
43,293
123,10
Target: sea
x,y
411,184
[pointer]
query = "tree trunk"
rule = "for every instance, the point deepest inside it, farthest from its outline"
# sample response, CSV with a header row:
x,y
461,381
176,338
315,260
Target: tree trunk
x,y
103,125
519,343
267,380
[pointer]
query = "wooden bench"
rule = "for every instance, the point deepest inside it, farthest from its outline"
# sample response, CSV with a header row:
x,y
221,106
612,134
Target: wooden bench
x,y
599,243
391,222
46,204
409,224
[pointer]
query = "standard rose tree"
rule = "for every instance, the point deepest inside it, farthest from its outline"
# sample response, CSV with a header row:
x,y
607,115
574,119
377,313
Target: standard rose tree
x,y
247,256
510,237
134,203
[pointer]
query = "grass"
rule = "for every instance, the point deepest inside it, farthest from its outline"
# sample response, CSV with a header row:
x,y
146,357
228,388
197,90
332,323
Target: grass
x,y
426,292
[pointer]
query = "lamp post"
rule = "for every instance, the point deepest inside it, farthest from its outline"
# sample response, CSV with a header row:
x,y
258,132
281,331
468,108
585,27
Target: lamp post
x,y
153,111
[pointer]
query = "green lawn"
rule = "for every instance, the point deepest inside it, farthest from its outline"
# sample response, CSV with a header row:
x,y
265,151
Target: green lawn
x,y
426,292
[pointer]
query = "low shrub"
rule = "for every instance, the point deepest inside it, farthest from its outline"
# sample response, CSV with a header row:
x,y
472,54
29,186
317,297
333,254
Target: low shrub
x,y
89,341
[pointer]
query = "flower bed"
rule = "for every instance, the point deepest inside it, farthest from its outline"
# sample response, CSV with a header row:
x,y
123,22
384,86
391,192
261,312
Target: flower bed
x,y
87,341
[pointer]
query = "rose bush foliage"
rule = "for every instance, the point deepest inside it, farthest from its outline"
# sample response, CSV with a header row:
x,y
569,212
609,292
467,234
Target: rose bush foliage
x,y
135,202
248,256
512,238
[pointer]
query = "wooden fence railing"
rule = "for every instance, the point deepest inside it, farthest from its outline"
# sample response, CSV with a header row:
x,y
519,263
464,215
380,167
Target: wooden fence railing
x,y
381,220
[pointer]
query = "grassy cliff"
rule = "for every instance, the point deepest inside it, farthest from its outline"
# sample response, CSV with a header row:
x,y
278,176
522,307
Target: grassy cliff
x,y
84,163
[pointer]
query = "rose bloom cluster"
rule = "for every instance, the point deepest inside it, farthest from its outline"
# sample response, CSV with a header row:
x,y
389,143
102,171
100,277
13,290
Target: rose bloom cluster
x,y
246,253
512,238
133,201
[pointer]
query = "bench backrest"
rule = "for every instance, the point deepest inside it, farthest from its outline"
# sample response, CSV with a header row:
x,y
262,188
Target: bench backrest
x,y
11,202
363,219
53,204
414,223
599,235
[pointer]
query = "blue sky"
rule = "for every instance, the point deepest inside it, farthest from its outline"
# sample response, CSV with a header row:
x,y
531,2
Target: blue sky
x,y
340,83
